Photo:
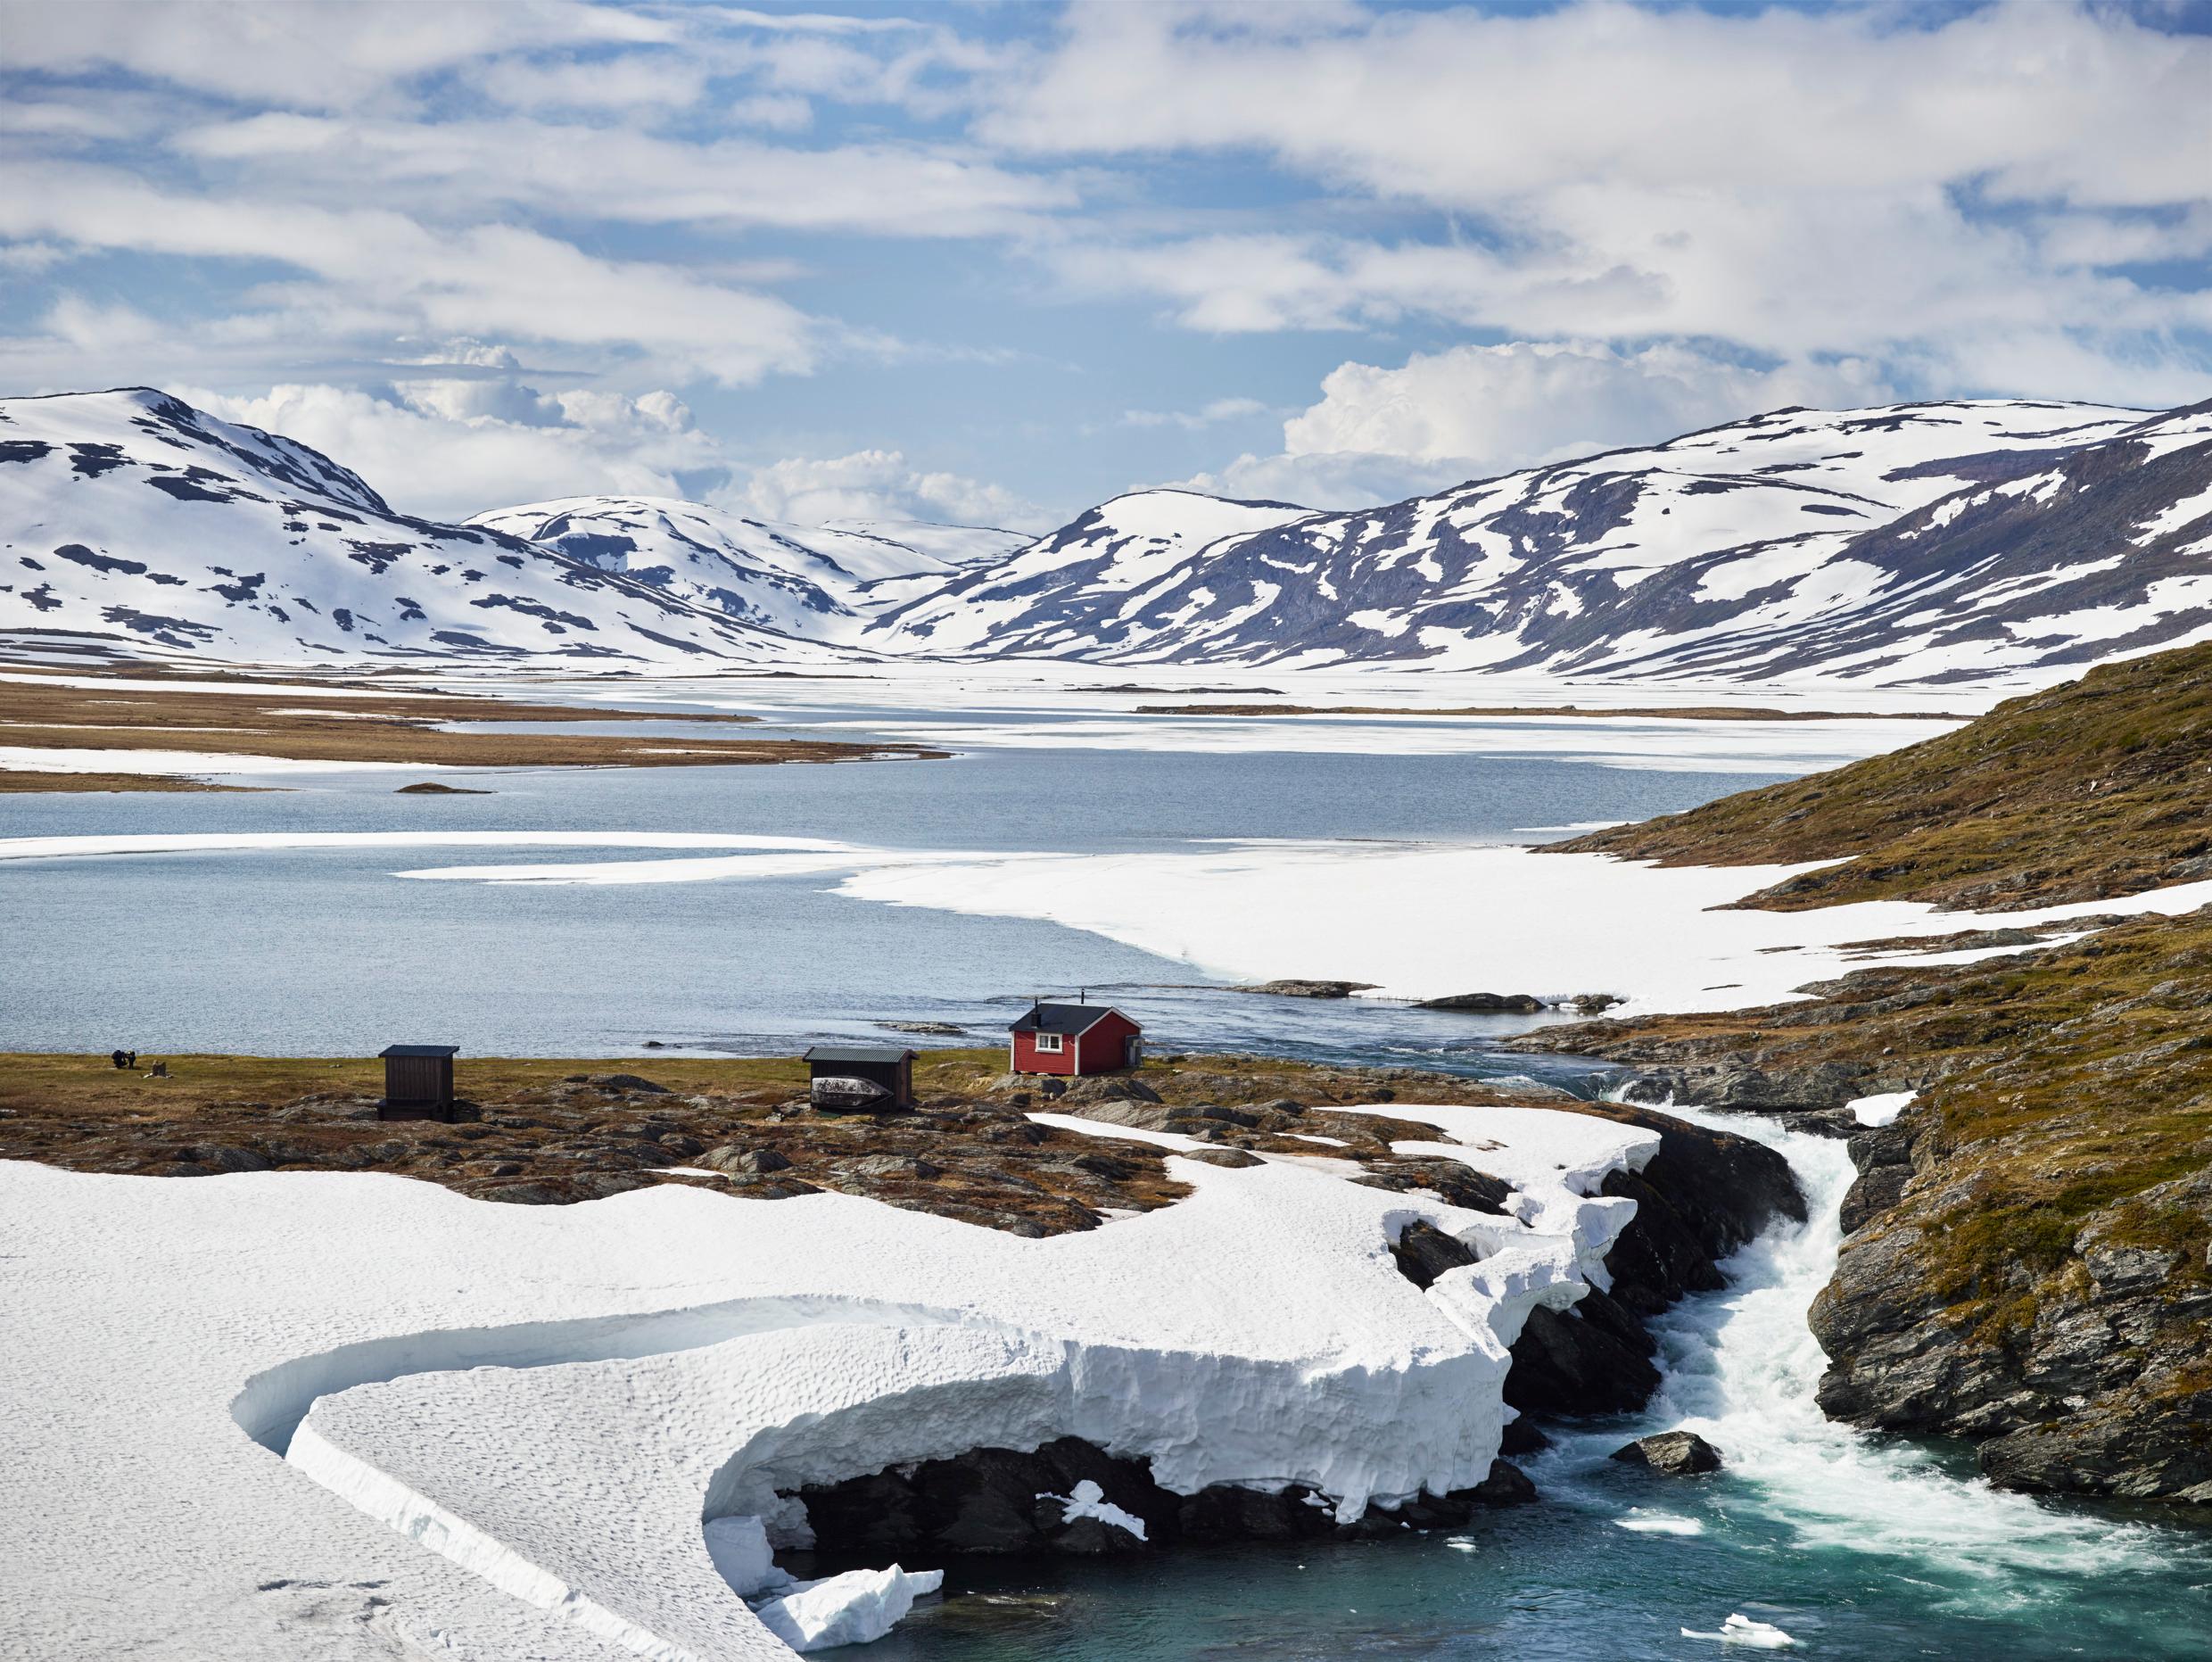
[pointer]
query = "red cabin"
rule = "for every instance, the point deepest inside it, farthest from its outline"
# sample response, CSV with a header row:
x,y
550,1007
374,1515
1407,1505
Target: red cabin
x,y
1076,1040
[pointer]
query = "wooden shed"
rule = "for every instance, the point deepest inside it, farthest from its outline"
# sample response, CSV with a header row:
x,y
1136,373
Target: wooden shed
x,y
419,1082
1071,1040
861,1079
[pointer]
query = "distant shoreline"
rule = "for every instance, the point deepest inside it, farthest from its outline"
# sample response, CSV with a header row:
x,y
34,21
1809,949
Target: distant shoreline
x,y
1642,712
48,720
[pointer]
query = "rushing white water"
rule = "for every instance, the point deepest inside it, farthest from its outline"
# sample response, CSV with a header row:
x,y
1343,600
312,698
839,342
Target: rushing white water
x,y
1740,1368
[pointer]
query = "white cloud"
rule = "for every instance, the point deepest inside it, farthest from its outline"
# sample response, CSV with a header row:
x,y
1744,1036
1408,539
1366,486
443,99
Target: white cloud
x,y
1441,417
1213,414
1465,108
326,56
1525,401
448,447
1958,197
479,169
876,484
655,81
375,279
445,449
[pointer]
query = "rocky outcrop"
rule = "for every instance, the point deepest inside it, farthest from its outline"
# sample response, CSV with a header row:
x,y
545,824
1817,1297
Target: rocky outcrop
x,y
1425,1252
1294,989
1731,1084
1705,1194
2093,1381
1676,1453
1485,1003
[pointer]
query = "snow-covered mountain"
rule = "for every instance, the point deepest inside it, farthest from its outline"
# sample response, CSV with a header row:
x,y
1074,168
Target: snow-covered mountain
x,y
823,583
132,516
1916,541
1067,594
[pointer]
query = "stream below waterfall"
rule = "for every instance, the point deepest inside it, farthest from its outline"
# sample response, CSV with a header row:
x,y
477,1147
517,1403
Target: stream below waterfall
x,y
1853,1546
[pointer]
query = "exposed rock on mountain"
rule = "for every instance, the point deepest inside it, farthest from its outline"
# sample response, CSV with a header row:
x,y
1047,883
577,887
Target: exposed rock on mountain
x,y
1922,542
1918,543
1069,594
132,516
821,582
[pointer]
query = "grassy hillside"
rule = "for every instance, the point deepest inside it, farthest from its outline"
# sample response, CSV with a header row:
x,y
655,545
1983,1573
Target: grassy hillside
x,y
2099,787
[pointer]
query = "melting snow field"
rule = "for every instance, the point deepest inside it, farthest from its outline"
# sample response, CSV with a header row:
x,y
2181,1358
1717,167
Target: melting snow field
x,y
1502,919
317,1415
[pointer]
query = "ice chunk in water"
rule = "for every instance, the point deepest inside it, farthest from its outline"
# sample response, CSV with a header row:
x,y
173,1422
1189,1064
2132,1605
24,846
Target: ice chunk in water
x,y
857,1607
1741,1630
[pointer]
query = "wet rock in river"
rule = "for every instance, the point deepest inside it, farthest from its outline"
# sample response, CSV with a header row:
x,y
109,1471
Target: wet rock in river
x,y
1485,1003
1296,988
1677,1453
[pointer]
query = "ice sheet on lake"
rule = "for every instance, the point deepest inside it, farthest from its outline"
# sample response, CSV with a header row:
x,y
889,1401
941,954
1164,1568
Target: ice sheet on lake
x,y
1497,919
1463,918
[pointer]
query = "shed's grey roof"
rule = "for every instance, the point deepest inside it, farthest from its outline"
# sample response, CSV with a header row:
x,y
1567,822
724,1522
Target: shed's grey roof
x,y
859,1053
418,1050
1068,1019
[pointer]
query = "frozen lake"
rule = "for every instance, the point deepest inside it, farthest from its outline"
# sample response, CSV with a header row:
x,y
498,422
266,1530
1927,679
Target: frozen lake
x,y
328,950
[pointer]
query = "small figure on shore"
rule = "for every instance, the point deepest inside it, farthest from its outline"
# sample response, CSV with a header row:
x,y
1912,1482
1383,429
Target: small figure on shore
x,y
160,1071
120,1058
133,1060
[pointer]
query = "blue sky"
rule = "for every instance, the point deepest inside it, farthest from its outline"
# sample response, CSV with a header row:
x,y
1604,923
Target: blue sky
x,y
995,262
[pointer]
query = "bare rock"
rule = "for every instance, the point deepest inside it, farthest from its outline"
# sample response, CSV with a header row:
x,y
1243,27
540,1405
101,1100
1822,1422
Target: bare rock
x,y
1425,1252
629,1082
1677,1453
1295,988
1566,1365
1507,1485
732,1158
1108,1088
1485,1003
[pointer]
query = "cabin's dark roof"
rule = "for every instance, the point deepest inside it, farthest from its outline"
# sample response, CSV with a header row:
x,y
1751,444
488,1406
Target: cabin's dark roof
x,y
1067,1019
418,1050
859,1053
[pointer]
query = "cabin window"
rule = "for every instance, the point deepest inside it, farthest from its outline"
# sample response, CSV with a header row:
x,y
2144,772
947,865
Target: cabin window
x,y
1048,1043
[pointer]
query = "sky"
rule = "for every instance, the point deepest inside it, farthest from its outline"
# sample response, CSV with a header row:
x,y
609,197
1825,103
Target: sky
x,y
994,263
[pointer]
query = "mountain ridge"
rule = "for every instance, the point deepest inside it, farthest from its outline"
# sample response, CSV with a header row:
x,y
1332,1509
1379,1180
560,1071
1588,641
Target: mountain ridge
x,y
1926,543
1573,567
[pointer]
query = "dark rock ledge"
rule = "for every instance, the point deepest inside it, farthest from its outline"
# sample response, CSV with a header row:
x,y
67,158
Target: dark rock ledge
x,y
1700,1197
1002,1501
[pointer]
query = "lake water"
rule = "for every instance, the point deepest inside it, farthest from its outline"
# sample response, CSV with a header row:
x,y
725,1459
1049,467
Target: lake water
x,y
326,951
1855,1548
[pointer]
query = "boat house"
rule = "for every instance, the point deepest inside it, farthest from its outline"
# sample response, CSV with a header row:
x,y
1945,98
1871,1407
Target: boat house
x,y
1076,1040
861,1079
419,1082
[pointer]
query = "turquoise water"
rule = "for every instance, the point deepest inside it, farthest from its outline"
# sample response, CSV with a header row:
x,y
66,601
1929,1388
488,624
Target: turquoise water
x,y
1853,1547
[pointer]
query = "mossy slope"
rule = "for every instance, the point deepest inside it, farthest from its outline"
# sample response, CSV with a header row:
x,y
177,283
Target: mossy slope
x,y
2099,787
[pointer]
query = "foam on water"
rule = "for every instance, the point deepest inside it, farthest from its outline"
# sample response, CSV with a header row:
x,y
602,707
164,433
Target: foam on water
x,y
1740,1369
